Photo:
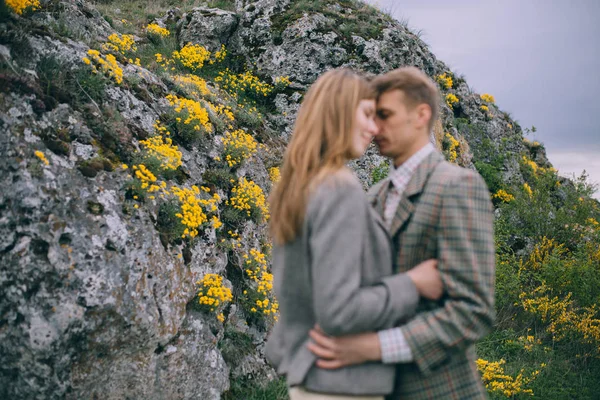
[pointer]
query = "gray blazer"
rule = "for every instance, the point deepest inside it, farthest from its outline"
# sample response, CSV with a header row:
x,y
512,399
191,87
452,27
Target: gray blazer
x,y
331,275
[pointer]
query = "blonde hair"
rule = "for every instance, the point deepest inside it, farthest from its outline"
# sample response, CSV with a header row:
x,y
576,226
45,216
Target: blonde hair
x,y
321,143
417,87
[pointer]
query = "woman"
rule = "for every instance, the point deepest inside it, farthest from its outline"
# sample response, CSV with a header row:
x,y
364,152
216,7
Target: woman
x,y
331,249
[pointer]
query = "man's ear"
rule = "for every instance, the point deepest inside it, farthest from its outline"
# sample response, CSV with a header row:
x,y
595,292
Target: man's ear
x,y
423,115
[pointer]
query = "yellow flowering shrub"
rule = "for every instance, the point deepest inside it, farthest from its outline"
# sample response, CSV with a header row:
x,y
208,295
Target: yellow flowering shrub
x,y
503,196
484,108
563,317
243,84
445,80
274,174
450,147
197,86
527,189
531,164
488,98
259,297
120,44
219,55
106,64
192,56
19,6
249,198
238,146
222,110
496,380
147,179
163,150
42,157
165,62
212,295
189,118
451,100
194,209
157,30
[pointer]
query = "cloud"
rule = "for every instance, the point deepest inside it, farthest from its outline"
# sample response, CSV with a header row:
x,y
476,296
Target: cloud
x,y
571,163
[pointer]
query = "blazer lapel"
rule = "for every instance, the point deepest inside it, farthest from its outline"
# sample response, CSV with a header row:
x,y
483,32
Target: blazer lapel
x,y
415,186
378,198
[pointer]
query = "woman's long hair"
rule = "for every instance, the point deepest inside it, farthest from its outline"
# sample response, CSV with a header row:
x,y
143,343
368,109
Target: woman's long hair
x,y
321,143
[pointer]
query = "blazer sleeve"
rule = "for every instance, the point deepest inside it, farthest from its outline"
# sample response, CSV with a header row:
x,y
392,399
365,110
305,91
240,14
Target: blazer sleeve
x,y
338,231
466,258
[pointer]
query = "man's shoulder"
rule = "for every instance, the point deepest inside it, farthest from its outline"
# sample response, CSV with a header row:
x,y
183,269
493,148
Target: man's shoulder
x,y
448,176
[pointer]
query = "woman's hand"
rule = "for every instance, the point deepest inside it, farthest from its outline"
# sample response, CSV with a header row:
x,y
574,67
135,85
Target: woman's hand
x,y
427,279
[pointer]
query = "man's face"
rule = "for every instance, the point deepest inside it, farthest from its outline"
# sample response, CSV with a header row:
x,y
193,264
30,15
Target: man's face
x,y
399,126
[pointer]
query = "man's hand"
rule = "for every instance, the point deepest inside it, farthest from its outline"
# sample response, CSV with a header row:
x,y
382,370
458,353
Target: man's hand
x,y
338,352
426,278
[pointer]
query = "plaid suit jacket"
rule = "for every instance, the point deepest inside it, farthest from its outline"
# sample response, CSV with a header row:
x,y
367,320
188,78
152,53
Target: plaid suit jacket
x,y
445,213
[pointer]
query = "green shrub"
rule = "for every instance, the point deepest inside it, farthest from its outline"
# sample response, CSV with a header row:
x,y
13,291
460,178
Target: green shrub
x,y
380,172
491,175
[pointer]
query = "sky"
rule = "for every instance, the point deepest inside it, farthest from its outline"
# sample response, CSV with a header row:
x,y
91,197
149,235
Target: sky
x,y
540,59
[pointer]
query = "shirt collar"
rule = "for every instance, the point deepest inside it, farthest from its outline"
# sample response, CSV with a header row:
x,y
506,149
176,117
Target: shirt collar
x,y
402,174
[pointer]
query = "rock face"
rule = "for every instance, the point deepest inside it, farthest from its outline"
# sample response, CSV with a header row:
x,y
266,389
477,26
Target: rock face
x,y
94,302
209,27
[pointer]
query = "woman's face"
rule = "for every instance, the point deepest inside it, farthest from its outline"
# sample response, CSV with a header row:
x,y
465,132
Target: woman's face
x,y
364,127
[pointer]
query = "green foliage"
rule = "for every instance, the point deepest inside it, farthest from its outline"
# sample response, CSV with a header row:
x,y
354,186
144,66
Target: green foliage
x,y
247,389
232,218
222,4
235,346
357,18
491,175
169,225
220,178
548,287
60,82
553,210
380,172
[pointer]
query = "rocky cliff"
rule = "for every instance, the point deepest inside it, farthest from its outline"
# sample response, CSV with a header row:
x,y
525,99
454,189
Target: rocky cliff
x,y
136,156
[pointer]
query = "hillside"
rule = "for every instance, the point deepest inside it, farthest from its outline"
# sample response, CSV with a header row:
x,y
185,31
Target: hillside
x,y
139,142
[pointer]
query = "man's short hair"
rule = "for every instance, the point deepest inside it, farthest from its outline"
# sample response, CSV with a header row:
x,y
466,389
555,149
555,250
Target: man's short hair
x,y
417,87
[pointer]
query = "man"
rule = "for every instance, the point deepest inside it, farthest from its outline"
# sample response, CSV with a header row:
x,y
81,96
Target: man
x,y
433,209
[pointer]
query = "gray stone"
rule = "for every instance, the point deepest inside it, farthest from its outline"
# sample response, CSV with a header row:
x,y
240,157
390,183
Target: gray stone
x,y
209,27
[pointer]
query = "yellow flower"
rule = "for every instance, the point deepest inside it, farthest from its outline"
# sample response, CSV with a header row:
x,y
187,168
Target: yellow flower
x,y
274,174
444,80
162,148
451,99
192,56
527,189
238,147
191,112
488,98
107,64
155,29
503,196
248,196
42,157
19,6
120,43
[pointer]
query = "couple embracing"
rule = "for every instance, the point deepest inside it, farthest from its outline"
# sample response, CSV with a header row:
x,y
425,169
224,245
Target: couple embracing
x,y
381,294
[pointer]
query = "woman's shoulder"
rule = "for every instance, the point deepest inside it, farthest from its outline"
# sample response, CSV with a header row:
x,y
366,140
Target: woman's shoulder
x,y
335,183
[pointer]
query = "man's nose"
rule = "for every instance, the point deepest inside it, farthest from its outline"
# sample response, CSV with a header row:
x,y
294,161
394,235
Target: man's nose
x,y
373,128
378,125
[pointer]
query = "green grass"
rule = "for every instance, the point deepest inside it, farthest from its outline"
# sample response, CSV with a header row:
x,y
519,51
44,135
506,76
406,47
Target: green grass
x,y
138,13
363,20
243,389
